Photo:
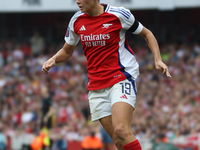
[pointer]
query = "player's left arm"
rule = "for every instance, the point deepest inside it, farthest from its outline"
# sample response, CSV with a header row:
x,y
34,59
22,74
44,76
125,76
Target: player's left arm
x,y
153,45
130,24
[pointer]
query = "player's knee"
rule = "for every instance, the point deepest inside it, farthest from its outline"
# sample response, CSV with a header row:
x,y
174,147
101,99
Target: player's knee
x,y
121,131
117,141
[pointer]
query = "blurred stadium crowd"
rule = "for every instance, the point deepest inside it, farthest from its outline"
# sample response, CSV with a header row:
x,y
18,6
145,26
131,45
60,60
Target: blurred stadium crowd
x,y
167,110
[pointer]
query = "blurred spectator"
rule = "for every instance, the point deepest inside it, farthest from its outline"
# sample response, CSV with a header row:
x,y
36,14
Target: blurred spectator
x,y
44,134
106,140
41,140
60,143
17,53
2,78
3,140
47,109
91,142
26,49
37,142
37,44
190,142
1,60
20,140
27,116
162,144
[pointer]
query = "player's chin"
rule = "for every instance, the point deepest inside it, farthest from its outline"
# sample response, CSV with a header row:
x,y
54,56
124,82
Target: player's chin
x,y
82,10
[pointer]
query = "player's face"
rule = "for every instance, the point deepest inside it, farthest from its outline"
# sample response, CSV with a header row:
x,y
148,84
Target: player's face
x,y
86,5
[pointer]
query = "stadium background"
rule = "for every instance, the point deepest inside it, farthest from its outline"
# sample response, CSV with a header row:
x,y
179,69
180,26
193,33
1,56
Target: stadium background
x,y
167,110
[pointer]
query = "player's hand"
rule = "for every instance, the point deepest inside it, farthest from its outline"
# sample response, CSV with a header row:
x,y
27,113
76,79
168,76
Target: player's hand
x,y
48,64
163,68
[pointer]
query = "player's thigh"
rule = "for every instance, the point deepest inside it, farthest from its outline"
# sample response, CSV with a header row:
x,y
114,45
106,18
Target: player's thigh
x,y
122,114
123,99
106,122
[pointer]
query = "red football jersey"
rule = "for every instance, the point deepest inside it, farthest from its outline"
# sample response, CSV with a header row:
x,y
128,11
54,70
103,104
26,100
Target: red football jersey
x,y
110,59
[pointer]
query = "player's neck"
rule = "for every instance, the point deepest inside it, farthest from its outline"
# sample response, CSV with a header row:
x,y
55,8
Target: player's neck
x,y
96,11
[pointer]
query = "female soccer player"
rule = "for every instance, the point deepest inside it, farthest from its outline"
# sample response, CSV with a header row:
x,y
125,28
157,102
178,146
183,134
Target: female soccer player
x,y
112,66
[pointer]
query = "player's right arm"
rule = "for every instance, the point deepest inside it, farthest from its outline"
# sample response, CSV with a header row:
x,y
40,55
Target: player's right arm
x,y
61,56
71,40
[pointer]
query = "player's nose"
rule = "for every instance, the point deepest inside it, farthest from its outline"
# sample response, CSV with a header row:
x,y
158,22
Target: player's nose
x,y
78,1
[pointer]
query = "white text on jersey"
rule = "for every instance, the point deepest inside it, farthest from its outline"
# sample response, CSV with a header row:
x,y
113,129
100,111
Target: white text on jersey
x,y
96,37
94,40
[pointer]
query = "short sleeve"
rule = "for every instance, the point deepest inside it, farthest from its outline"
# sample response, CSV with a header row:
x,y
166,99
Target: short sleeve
x,y
71,37
131,24
127,19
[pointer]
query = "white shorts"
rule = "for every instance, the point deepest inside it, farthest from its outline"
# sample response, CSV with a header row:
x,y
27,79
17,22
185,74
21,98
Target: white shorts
x,y
101,101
